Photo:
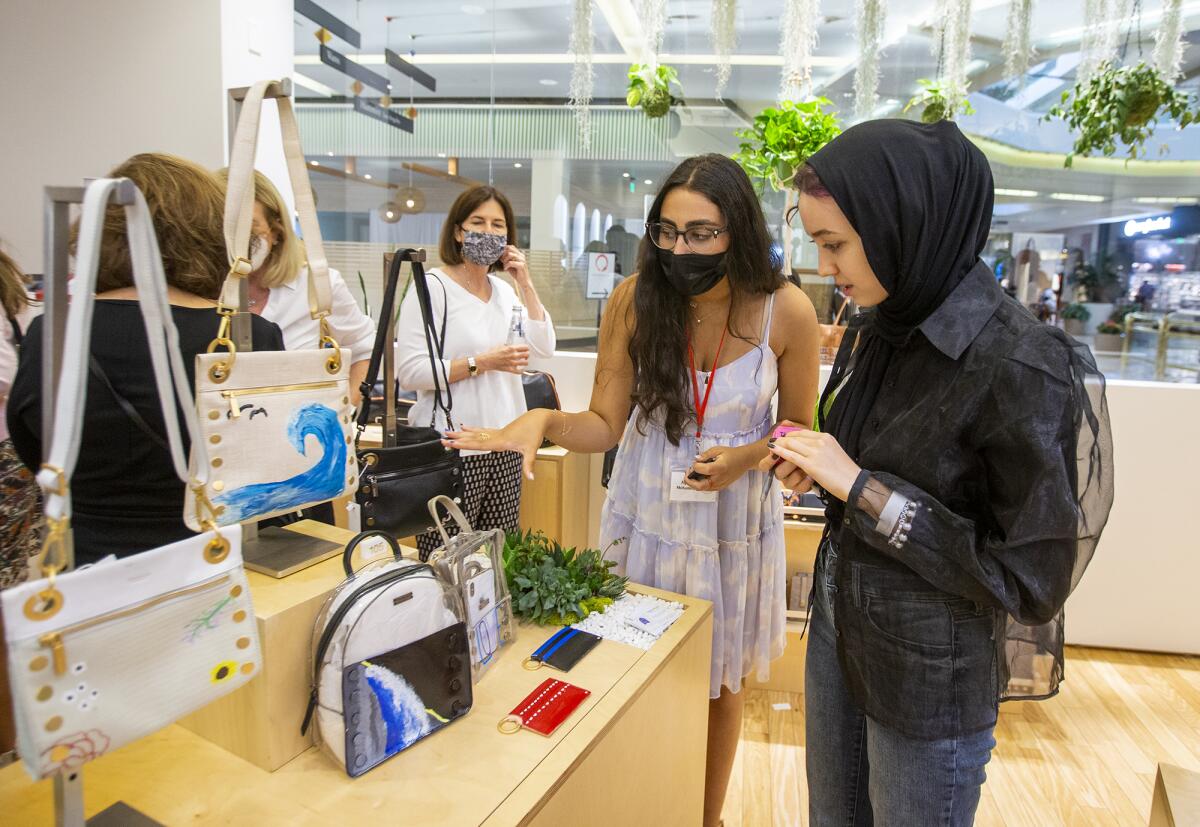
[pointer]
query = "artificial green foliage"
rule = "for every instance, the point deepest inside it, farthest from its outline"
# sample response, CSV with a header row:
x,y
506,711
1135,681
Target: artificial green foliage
x,y
936,107
1121,103
784,137
1076,311
651,89
551,585
1109,329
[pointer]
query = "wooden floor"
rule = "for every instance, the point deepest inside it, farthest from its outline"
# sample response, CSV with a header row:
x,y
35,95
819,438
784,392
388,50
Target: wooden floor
x,y
1087,757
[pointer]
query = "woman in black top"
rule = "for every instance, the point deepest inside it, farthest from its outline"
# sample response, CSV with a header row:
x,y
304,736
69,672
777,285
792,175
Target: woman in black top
x,y
965,462
125,494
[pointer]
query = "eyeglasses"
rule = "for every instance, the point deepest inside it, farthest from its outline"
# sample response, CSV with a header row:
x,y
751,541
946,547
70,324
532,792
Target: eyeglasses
x,y
696,239
790,218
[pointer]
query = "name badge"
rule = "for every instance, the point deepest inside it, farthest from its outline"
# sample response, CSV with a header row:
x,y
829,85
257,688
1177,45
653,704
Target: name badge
x,y
680,493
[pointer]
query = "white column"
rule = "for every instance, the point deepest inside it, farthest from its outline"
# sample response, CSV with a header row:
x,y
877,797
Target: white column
x,y
258,43
549,184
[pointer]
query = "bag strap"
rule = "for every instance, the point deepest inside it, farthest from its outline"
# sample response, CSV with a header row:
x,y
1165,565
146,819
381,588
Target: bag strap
x,y
239,205
170,375
455,513
17,335
435,346
126,406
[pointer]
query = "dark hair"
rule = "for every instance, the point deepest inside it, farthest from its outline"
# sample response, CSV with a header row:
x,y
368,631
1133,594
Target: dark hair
x,y
187,208
449,249
659,340
806,182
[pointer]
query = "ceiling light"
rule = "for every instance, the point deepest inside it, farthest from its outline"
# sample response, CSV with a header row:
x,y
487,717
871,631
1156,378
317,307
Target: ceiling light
x,y
1017,193
390,212
441,155
410,203
367,176
473,10
1167,200
1074,196
517,164
624,174
548,82
647,182
330,154
411,200
314,163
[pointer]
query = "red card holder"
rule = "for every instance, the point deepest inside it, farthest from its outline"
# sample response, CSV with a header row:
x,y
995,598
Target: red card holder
x,y
545,707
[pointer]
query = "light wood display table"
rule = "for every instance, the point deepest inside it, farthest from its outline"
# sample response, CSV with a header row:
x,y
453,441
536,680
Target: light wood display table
x,y
633,753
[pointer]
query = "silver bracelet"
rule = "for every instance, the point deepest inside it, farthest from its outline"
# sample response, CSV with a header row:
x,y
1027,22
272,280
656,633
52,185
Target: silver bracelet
x,y
904,525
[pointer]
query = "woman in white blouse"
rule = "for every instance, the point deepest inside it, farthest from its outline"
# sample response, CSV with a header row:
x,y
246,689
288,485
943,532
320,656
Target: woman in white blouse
x,y
278,287
478,241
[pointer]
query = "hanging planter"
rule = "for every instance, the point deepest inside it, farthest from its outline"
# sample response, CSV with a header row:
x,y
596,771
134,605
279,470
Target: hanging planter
x,y
583,77
797,41
724,39
650,88
1121,104
1018,48
935,102
871,18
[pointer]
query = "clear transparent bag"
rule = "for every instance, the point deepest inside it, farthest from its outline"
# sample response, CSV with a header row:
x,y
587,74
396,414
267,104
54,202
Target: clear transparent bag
x,y
473,563
390,659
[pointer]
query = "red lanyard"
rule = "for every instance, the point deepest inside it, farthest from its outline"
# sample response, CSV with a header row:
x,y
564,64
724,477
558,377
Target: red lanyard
x,y
702,405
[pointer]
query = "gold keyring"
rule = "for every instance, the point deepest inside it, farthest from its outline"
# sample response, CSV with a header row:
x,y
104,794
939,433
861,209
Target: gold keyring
x,y
510,724
537,664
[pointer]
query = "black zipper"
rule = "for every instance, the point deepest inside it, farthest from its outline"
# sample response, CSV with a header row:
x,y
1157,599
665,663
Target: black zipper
x,y
334,622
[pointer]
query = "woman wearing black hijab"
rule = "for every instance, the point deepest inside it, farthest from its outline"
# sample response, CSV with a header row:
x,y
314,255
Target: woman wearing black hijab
x,y
964,456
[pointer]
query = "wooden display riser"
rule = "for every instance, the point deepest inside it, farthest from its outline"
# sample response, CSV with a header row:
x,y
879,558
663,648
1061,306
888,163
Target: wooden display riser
x,y
787,672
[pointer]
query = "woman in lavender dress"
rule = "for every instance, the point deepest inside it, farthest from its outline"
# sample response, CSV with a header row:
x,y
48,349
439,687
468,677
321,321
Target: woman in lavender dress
x,y
693,351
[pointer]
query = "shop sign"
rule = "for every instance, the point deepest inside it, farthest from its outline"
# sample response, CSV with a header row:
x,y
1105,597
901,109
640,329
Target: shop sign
x,y
381,113
601,267
1158,224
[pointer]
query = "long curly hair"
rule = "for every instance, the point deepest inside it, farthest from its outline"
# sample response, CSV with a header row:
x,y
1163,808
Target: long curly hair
x,y
658,346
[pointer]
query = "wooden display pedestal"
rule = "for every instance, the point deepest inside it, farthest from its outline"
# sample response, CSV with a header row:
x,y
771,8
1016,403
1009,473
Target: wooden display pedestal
x,y
787,672
556,500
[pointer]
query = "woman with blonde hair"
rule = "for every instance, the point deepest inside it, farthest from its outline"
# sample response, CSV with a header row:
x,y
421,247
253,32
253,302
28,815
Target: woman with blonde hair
x,y
278,286
125,495
19,536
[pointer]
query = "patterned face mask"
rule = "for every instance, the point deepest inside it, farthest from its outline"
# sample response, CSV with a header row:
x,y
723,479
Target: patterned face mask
x,y
260,248
483,248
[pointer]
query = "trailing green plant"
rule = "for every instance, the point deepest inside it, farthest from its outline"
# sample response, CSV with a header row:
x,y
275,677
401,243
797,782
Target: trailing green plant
x,y
551,585
650,88
362,285
782,138
934,99
1120,311
1121,104
1076,311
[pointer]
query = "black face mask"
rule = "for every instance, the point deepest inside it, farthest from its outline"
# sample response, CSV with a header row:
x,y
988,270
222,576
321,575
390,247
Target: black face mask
x,y
692,274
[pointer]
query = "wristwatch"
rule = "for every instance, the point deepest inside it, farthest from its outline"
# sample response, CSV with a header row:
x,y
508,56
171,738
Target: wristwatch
x,y
472,367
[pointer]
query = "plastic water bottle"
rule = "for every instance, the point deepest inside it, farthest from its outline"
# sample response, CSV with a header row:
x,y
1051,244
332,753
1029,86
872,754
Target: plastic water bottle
x,y
516,326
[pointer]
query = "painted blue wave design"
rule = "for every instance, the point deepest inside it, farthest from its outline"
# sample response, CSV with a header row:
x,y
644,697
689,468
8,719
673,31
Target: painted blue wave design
x,y
324,481
403,712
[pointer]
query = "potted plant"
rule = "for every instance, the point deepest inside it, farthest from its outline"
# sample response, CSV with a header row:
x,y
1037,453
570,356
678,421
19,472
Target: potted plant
x,y
1108,337
650,88
1100,284
554,586
782,138
935,102
1121,103
1075,318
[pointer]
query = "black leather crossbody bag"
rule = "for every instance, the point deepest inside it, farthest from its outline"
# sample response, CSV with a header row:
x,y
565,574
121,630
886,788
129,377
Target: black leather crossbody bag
x,y
398,480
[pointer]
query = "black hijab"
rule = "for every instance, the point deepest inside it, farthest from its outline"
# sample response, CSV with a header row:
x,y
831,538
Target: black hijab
x,y
920,196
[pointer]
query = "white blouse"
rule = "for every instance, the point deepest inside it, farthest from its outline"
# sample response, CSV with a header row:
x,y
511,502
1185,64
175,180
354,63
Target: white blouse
x,y
473,327
9,358
287,306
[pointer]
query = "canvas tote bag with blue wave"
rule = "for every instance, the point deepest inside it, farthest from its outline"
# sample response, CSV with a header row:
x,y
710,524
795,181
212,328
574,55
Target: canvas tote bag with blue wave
x,y
276,424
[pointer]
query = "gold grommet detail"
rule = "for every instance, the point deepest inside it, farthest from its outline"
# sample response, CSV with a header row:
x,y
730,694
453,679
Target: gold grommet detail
x,y
509,724
239,616
350,480
348,440
45,604
218,372
216,550
369,460
370,521
345,400
247,668
236,591
54,723
219,485
214,414
243,642
38,664
217,462
215,439
44,693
